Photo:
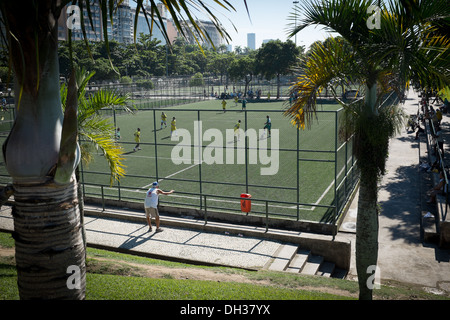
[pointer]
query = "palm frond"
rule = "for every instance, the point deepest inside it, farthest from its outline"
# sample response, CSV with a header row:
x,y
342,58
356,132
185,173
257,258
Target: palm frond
x,y
112,153
99,132
103,99
348,18
94,129
411,48
325,66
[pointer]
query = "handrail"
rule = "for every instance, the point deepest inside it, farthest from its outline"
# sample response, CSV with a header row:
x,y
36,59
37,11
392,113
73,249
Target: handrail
x,y
204,198
441,165
102,187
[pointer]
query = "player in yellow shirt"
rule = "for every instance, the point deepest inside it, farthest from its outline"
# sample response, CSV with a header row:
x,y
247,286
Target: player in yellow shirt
x,y
224,105
173,127
163,120
237,126
137,139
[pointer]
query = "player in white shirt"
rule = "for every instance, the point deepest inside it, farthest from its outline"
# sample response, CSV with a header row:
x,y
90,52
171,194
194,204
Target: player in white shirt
x,y
151,205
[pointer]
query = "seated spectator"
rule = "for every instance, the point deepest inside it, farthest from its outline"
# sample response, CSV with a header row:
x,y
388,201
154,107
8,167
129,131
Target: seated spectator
x,y
440,188
419,130
439,116
439,140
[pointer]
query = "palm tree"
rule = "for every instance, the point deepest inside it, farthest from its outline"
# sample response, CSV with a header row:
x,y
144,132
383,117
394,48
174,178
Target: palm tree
x,y
93,128
42,152
409,45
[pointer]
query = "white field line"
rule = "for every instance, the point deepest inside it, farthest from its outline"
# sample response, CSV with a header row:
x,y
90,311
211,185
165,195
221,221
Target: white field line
x,y
173,174
328,188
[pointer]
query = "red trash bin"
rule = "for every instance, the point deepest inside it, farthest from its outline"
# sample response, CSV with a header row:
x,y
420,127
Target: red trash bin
x,y
246,205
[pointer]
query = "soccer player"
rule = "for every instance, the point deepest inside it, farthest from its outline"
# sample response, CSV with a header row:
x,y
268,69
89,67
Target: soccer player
x,y
151,205
173,127
237,126
224,105
268,125
244,104
137,139
163,120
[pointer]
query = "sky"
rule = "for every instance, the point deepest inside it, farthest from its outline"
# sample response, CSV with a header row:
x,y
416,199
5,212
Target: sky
x,y
269,20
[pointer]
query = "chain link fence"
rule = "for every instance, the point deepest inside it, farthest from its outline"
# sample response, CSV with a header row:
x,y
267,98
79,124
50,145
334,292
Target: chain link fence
x,y
313,172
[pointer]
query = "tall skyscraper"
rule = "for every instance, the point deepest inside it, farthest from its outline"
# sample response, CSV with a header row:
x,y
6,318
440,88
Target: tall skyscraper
x,y
251,41
120,30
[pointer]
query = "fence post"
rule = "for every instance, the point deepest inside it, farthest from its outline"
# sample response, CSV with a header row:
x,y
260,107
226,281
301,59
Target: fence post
x,y
206,211
200,158
298,174
345,174
103,200
267,215
82,178
246,153
156,144
336,197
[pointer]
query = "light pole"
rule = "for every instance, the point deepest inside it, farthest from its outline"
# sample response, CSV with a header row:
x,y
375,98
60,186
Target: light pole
x,y
295,13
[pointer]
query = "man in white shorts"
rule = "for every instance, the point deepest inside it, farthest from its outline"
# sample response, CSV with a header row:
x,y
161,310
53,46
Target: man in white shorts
x,y
151,205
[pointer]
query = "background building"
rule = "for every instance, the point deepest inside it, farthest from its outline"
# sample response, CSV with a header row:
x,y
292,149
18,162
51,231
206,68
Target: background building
x,y
251,41
93,32
121,29
267,40
210,28
143,27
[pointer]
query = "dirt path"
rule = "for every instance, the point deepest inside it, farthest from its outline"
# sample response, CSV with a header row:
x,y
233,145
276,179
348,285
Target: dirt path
x,y
6,252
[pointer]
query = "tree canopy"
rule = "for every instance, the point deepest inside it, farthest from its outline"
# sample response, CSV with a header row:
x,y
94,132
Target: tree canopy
x,y
148,57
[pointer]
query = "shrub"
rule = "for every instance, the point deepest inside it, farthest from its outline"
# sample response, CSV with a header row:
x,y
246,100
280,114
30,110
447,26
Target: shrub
x,y
197,80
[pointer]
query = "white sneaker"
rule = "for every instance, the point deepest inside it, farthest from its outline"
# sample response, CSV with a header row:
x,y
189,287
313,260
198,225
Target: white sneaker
x,y
428,215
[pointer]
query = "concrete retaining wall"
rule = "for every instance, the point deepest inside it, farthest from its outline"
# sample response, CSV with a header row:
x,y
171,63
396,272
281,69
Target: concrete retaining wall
x,y
302,233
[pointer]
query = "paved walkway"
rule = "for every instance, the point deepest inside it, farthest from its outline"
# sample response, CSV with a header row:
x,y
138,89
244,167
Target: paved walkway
x,y
180,243
402,254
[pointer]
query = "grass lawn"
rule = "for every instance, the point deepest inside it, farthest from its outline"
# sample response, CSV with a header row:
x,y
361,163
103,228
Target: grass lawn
x,y
116,276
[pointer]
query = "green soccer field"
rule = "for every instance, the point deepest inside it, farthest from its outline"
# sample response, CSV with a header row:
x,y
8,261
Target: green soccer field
x,y
222,175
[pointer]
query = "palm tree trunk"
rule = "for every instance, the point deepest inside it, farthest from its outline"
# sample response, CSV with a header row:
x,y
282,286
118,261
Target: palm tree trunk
x,y
48,236
50,255
370,153
366,237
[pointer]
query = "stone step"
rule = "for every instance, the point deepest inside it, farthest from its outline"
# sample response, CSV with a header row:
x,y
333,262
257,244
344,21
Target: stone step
x,y
326,269
428,228
290,258
283,257
299,260
312,265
